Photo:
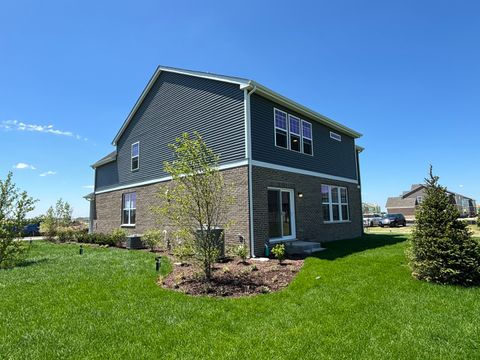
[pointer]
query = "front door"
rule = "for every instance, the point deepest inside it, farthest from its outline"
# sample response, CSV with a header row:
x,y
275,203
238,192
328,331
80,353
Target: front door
x,y
281,214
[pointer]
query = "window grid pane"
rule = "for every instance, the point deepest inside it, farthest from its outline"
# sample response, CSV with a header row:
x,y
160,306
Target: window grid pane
x,y
307,130
135,150
280,120
294,125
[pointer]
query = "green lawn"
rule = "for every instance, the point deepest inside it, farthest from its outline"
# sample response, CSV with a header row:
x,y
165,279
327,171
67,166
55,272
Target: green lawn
x,y
105,305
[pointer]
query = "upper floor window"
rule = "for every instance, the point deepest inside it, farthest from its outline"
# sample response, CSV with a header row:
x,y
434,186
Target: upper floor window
x,y
281,129
307,137
135,156
293,133
335,203
335,136
129,208
419,199
295,137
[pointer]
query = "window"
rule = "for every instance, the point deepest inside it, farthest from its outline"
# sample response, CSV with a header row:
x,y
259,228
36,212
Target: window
x,y
335,203
135,156
129,206
335,136
295,138
419,199
293,133
281,129
307,137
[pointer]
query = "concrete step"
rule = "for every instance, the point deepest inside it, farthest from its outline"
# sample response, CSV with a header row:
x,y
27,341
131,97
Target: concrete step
x,y
303,247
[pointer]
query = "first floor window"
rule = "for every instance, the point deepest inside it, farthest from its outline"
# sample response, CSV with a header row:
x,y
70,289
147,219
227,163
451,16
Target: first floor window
x,y
281,129
129,207
335,203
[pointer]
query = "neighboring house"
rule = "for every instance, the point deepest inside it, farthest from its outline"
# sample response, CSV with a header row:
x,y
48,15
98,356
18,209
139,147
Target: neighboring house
x,y
409,200
369,208
295,172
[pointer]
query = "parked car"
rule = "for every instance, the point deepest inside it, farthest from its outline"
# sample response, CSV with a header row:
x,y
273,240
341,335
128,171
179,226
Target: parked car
x,y
393,220
31,230
372,219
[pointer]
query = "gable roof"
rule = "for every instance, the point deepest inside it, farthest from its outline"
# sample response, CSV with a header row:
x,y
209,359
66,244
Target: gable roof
x,y
243,84
105,160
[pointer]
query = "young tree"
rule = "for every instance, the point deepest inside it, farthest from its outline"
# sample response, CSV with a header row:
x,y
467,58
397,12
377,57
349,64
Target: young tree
x,y
63,213
57,220
48,226
441,248
14,206
197,198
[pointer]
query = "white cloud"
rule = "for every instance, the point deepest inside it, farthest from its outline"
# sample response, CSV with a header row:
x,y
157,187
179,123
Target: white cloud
x,y
460,186
48,129
22,166
87,186
48,173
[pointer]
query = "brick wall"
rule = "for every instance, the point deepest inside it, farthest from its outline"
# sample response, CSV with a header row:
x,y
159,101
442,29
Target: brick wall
x,y
109,208
309,223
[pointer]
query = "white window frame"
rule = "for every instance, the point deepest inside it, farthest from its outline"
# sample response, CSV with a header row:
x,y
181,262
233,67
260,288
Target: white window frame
x,y
292,215
275,127
132,157
419,199
311,140
129,223
330,204
335,136
300,135
301,122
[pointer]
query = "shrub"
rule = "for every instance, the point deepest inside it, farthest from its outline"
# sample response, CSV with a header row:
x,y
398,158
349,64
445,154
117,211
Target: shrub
x,y
117,237
65,234
152,239
279,252
242,252
441,247
184,252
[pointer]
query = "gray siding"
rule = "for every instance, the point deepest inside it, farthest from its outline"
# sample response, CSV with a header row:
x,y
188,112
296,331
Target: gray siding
x,y
175,104
329,156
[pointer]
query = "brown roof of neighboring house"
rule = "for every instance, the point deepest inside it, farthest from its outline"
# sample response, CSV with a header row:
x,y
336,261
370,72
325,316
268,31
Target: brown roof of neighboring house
x,y
398,202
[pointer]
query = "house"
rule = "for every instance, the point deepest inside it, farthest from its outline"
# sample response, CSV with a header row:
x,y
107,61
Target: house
x,y
409,200
295,172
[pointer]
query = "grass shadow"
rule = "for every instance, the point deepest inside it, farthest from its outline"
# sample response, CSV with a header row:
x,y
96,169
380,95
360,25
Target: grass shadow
x,y
342,248
31,262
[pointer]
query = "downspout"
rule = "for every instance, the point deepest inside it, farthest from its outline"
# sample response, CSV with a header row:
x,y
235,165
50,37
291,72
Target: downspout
x,y
249,162
359,185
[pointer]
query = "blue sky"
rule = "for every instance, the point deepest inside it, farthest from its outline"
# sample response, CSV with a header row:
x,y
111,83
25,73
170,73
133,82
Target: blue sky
x,y
406,74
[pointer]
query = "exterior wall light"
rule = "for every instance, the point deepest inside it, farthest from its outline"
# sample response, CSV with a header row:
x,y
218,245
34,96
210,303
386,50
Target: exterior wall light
x,y
300,195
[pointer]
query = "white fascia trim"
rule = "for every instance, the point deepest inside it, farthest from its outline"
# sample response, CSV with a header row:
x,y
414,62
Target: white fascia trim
x,y
243,83
168,178
301,171
229,79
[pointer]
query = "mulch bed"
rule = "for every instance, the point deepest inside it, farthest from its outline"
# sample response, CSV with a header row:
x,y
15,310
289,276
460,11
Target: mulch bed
x,y
233,278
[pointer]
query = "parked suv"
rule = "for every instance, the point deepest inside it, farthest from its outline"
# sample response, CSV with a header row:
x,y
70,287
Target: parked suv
x,y
393,220
372,219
